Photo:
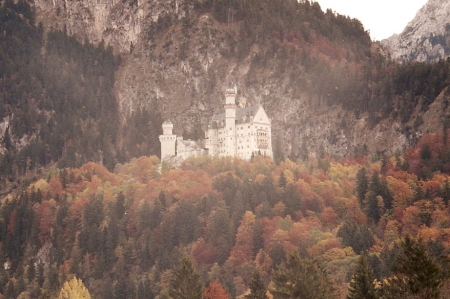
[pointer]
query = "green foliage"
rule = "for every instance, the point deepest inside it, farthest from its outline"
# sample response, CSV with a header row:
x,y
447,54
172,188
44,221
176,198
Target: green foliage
x,y
415,273
185,283
301,278
362,285
258,287
61,93
357,236
362,185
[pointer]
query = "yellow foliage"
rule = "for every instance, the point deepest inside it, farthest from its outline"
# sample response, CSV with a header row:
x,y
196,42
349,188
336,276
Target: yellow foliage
x,y
40,184
74,289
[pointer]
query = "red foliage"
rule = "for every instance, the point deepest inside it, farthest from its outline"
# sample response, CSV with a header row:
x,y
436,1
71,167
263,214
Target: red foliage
x,y
203,253
76,211
215,291
45,215
329,217
12,222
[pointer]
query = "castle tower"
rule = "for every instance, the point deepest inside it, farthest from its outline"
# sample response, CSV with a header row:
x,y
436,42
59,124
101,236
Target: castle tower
x,y
230,121
167,140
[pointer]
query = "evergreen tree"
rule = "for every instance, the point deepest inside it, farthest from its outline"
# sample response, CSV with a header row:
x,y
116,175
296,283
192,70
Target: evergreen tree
x,y
362,184
186,283
258,288
416,275
357,236
362,283
301,278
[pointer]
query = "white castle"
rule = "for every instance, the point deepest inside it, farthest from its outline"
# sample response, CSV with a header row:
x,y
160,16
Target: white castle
x,y
240,132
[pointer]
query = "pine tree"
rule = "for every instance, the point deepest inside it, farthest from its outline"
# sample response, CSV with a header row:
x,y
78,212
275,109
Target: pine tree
x,y
258,288
362,184
186,283
416,275
301,278
362,283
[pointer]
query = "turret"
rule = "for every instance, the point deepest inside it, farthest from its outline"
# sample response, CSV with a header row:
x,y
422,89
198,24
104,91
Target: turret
x,y
168,140
230,119
167,127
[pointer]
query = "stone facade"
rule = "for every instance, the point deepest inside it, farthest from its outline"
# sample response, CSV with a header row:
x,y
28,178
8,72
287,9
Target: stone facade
x,y
240,131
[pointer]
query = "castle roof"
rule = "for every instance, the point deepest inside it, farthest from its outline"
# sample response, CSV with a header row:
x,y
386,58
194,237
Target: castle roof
x,y
243,115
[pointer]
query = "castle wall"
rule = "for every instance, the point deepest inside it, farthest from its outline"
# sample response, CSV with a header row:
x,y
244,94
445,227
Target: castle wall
x,y
228,134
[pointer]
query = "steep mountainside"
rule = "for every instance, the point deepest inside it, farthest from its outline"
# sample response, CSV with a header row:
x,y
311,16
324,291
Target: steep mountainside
x,y
426,37
327,88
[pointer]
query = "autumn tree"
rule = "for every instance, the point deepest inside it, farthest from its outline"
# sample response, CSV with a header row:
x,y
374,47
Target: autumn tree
x,y
301,278
74,289
362,284
243,250
215,290
185,283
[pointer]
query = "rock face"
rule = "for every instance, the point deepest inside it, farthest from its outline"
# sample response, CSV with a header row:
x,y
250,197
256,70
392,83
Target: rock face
x,y
183,71
118,23
426,37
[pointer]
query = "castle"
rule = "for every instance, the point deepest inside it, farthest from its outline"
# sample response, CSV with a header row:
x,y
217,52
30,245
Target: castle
x,y
240,132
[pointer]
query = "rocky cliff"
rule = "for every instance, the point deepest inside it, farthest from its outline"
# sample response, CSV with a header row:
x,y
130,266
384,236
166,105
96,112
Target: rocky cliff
x,y
426,37
178,58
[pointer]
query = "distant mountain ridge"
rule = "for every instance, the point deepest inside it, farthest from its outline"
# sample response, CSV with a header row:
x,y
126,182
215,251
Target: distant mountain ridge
x,y
426,37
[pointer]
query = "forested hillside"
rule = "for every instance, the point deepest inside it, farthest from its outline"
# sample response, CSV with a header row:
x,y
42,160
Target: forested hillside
x,y
83,195
57,101
324,83
136,232
62,98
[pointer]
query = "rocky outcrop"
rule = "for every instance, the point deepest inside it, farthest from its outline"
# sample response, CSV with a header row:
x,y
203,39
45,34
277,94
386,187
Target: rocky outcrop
x,y
426,37
119,24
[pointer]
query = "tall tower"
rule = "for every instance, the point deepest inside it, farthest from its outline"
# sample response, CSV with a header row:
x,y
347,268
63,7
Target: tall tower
x,y
230,121
167,140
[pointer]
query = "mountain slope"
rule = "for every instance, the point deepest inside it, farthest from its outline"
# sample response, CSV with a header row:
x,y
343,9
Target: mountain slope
x,y
327,88
426,37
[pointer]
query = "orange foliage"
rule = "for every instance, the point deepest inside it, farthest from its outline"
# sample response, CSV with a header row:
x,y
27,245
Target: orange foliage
x,y
186,184
431,188
55,187
45,214
401,175
440,219
436,147
243,249
76,210
323,246
354,213
329,217
215,291
428,233
411,221
402,192
100,171
327,190
311,200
